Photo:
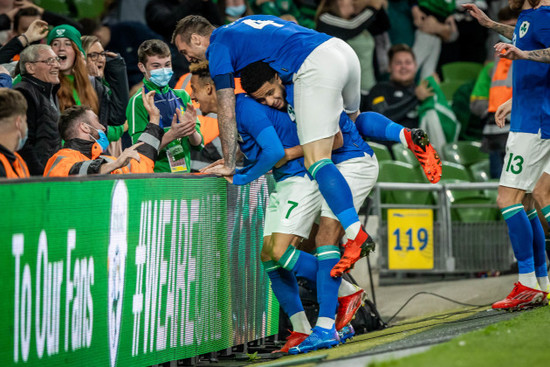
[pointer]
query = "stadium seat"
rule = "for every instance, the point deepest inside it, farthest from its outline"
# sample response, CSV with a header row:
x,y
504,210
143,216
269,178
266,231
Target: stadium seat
x,y
463,152
404,154
473,214
89,8
480,171
449,87
382,152
394,171
454,171
461,71
56,6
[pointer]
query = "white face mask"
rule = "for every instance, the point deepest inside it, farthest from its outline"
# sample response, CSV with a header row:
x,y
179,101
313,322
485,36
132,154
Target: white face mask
x,y
161,77
235,11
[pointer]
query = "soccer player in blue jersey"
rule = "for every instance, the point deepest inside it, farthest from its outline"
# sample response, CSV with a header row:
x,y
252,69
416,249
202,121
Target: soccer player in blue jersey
x,y
264,84
527,148
292,209
296,203
326,75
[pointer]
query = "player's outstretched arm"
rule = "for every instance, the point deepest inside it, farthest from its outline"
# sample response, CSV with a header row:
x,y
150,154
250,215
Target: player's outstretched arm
x,y
228,129
511,52
538,55
271,152
506,30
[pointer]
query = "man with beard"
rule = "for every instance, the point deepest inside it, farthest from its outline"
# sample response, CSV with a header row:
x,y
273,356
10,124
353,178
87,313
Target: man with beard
x,y
85,143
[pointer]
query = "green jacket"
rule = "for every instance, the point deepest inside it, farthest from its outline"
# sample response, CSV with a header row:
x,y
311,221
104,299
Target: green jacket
x,y
138,118
443,8
437,108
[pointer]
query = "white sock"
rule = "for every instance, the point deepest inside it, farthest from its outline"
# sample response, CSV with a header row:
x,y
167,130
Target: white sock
x,y
528,280
353,230
325,322
346,288
402,138
544,284
300,323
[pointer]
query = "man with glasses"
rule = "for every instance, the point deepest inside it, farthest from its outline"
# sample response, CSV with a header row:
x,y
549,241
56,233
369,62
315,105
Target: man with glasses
x,y
39,84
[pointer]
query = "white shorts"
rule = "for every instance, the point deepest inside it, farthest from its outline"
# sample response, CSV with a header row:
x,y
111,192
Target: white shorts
x,y
361,175
527,157
293,207
328,82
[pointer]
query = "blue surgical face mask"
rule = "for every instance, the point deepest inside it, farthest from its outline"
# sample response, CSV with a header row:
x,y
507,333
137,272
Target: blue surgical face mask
x,y
504,39
235,11
161,77
23,141
103,141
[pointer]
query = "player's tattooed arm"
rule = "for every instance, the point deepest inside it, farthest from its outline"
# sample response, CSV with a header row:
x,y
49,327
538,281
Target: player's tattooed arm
x,y
228,126
506,30
539,55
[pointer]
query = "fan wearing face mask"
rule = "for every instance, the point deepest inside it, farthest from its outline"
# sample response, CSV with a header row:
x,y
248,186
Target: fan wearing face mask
x,y
13,133
177,116
85,144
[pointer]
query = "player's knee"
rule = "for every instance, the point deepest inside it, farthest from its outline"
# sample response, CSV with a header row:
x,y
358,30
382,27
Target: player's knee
x,y
509,196
540,195
330,232
504,201
330,235
265,255
278,250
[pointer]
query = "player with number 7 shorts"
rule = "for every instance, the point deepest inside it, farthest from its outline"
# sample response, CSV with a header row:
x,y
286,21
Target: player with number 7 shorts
x,y
326,76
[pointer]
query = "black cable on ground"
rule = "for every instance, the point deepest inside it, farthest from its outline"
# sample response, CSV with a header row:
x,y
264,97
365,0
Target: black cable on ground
x,y
418,345
435,295
371,281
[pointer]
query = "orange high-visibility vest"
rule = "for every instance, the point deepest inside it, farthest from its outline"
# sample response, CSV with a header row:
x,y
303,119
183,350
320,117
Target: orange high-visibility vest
x,y
501,84
19,168
60,164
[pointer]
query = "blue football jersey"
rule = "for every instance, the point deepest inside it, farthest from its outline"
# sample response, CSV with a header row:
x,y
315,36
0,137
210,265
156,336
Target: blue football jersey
x,y
354,146
531,79
252,117
283,45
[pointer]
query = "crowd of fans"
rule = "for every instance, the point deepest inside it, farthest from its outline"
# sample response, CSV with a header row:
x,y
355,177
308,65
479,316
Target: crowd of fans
x,y
122,69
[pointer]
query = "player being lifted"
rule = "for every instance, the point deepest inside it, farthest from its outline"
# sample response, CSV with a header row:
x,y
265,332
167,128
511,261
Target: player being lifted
x,y
325,72
296,203
265,85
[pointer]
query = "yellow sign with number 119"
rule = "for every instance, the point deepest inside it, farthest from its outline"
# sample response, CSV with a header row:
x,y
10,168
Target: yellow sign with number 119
x,y
410,239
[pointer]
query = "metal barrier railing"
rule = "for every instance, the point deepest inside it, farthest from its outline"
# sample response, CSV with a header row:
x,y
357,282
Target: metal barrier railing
x,y
458,246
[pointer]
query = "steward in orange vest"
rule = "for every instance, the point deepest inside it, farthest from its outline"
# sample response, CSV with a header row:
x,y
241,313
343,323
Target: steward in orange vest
x,y
13,133
501,84
85,143
12,165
